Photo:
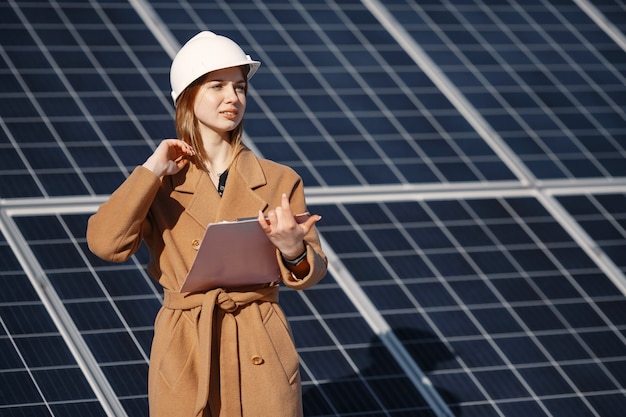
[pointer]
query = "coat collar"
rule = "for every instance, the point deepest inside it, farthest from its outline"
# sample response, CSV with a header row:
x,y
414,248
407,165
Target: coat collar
x,y
239,199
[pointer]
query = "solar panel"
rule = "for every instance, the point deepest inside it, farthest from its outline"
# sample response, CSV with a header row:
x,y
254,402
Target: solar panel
x,y
467,159
548,79
38,374
493,322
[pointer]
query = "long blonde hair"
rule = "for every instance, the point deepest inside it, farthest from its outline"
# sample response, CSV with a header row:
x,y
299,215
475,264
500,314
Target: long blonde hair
x,y
187,125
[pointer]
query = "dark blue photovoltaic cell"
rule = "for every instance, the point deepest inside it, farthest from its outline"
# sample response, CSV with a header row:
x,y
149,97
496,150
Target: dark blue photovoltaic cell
x,y
603,217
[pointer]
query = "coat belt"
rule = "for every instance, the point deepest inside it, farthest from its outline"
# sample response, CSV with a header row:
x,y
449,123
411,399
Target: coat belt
x,y
218,304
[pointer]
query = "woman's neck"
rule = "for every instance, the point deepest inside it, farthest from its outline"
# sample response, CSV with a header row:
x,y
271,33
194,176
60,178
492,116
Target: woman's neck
x,y
219,154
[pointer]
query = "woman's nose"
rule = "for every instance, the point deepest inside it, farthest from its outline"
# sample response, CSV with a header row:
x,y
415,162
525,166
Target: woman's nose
x,y
231,94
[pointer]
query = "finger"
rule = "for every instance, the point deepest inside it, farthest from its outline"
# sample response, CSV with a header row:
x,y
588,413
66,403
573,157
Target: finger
x,y
284,203
283,212
272,218
279,212
263,222
184,147
182,162
188,148
178,144
310,222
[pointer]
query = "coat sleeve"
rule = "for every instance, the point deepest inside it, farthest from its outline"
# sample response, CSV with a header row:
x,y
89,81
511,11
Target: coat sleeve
x,y
315,256
115,231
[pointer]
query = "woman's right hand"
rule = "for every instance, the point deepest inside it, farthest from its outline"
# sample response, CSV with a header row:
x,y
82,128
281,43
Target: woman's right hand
x,y
169,157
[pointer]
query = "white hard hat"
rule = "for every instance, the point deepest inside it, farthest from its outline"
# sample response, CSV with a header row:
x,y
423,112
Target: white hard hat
x,y
204,53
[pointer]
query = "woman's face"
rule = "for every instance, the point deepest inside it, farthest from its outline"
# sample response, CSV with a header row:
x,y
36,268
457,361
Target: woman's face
x,y
221,101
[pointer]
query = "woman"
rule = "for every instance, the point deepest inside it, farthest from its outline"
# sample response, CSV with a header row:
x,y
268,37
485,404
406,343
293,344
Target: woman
x,y
227,351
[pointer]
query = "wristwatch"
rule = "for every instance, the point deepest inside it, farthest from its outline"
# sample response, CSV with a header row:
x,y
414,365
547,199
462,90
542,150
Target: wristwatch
x,y
296,261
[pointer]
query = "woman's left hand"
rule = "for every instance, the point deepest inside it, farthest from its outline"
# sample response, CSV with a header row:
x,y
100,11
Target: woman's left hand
x,y
284,231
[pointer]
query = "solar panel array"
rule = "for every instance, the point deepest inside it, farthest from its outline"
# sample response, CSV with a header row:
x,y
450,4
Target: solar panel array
x,y
468,159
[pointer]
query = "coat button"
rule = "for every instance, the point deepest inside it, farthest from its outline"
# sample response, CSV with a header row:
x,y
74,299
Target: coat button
x,y
195,244
257,360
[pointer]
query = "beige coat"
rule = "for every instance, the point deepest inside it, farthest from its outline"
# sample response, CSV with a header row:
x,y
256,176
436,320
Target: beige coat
x,y
225,352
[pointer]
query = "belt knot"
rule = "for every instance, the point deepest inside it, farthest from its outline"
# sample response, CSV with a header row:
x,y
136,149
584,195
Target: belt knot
x,y
226,303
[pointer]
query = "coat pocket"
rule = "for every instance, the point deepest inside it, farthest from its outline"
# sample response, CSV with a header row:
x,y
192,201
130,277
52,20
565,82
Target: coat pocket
x,y
281,340
179,357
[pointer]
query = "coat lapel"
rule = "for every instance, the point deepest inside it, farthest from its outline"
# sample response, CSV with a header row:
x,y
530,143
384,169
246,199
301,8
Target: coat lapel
x,y
239,199
203,204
